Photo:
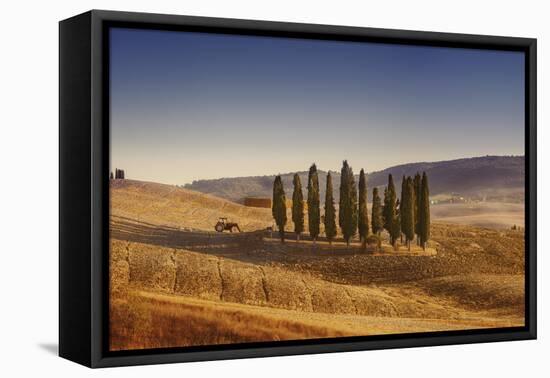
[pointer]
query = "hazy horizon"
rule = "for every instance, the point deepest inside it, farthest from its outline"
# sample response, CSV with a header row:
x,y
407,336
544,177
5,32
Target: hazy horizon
x,y
191,106
322,169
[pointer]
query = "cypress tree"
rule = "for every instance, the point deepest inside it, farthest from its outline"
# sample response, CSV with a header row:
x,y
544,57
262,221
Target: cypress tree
x,y
330,211
353,203
313,203
363,215
376,217
391,220
407,211
111,176
298,207
424,212
403,202
385,209
279,206
417,197
396,224
347,215
389,204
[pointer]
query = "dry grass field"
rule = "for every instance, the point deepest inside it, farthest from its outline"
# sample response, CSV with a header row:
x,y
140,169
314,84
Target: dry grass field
x,y
168,205
175,282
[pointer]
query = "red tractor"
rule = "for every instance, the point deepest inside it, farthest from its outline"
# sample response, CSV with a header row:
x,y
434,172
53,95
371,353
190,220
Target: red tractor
x,y
223,225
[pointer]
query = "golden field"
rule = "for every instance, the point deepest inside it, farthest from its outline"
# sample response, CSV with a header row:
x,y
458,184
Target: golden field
x,y
175,282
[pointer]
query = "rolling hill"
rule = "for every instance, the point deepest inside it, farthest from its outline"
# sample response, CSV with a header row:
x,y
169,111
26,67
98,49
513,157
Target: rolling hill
x,y
171,206
176,282
492,177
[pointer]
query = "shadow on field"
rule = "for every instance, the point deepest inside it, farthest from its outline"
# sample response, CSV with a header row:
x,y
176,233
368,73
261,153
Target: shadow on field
x,y
198,241
245,246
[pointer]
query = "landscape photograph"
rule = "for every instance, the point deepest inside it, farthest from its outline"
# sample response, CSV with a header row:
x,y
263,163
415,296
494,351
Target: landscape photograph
x,y
281,189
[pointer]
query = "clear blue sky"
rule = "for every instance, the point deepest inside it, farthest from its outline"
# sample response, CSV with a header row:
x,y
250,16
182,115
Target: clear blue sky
x,y
188,106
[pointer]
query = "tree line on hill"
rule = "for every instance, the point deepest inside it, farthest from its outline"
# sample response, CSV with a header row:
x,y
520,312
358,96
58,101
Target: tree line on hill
x,y
407,217
119,174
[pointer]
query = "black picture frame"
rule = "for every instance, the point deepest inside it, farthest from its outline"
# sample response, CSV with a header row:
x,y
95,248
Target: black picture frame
x,y
83,182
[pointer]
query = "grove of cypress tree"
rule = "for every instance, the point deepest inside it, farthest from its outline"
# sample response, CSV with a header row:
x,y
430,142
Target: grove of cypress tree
x,y
417,198
424,212
363,215
279,206
298,207
377,222
313,203
407,211
119,174
330,211
347,215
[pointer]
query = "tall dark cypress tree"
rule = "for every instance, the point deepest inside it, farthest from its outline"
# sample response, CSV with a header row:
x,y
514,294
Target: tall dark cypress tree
x,y
111,176
407,211
391,220
396,225
279,206
402,202
385,209
298,207
344,191
330,211
417,198
363,215
353,204
347,215
313,203
424,212
377,221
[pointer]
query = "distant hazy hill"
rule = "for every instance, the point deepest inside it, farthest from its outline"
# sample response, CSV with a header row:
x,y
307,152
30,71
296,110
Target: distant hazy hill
x,y
495,177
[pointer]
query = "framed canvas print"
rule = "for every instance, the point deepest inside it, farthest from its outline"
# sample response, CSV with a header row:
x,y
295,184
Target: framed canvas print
x,y
233,188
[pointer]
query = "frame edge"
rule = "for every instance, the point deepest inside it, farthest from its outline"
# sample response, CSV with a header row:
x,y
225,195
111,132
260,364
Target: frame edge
x,y
75,275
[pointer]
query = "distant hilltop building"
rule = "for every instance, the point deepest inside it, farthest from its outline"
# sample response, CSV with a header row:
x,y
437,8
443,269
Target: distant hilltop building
x,y
257,202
